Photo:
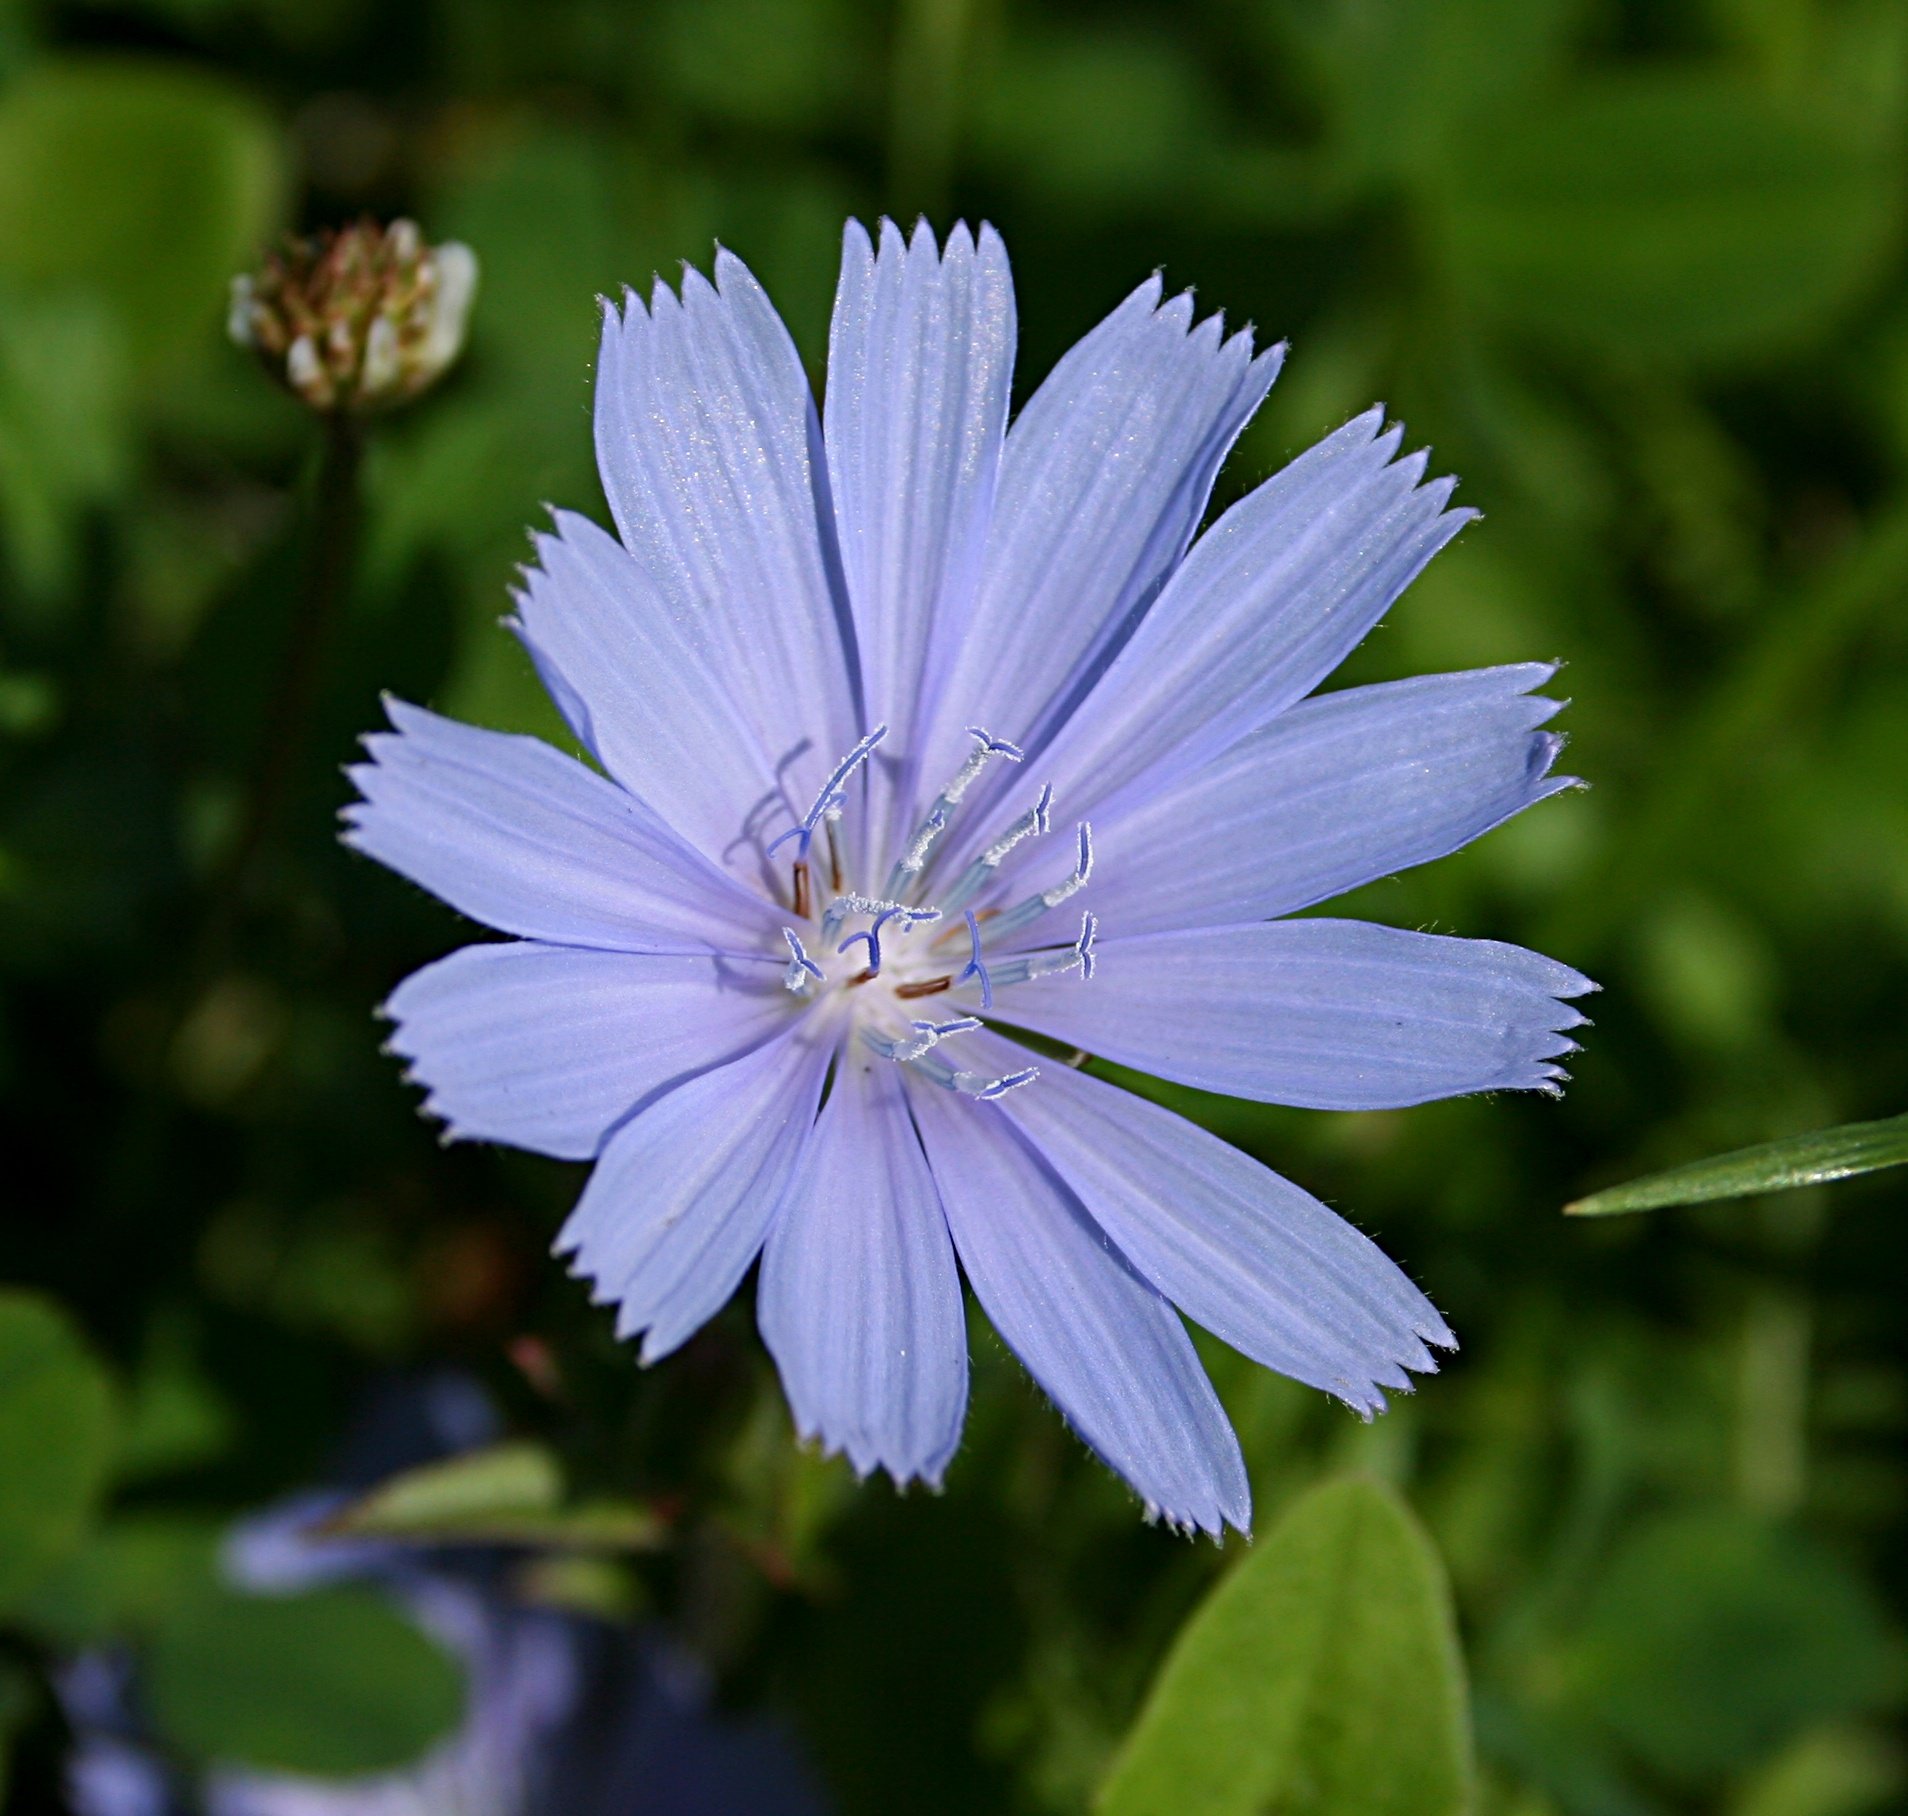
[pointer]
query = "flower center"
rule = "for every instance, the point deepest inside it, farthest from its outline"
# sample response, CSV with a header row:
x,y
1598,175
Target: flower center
x,y
881,960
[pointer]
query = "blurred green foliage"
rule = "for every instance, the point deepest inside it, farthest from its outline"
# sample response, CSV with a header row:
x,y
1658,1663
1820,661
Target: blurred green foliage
x,y
1636,266
328,1682
56,1431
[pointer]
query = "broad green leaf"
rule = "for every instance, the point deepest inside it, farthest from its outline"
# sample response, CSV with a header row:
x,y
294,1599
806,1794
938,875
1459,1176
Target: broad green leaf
x,y
1714,1637
131,1572
1323,1675
1682,215
65,427
146,185
1773,1166
1839,1769
334,1683
509,1494
56,1437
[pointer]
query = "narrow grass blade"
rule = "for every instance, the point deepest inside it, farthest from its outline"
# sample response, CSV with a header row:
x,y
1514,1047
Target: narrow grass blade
x,y
1773,1166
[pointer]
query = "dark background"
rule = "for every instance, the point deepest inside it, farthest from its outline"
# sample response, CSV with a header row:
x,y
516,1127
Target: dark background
x,y
1636,271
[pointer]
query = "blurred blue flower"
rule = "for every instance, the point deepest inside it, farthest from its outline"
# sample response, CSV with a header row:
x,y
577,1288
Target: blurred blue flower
x,y
841,673
564,1715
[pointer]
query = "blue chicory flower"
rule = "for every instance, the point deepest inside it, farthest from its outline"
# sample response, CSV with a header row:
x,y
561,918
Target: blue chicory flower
x,y
843,674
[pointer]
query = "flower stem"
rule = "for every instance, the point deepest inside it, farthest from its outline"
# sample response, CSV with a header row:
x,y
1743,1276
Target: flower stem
x,y
337,517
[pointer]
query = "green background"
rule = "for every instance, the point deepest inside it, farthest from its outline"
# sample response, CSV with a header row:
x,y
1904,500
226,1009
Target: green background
x,y
1636,272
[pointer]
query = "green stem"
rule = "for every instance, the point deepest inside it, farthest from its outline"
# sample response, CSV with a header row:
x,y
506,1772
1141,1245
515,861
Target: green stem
x,y
337,518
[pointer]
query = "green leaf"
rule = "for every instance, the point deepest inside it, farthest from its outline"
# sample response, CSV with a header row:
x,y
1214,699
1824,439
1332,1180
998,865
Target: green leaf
x,y
509,1494
144,184
127,1577
56,1439
1323,1675
1773,1166
1681,215
65,427
335,1683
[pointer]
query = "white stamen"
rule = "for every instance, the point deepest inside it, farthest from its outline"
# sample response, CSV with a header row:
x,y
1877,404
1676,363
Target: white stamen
x,y
954,1078
1077,957
925,1038
914,859
980,873
1036,905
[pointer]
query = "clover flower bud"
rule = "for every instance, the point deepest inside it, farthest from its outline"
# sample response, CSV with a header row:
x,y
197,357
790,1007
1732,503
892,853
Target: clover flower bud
x,y
357,318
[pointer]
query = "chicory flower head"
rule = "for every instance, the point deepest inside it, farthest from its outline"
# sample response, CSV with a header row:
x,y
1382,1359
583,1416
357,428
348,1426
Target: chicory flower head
x,y
916,730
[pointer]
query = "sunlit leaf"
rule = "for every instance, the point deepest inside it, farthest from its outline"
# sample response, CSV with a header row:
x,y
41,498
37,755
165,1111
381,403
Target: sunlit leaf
x,y
333,1683
1772,1166
1323,1675
56,1432
65,426
508,1494
145,184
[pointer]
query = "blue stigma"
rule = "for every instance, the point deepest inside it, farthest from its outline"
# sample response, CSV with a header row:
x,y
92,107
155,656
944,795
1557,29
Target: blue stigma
x,y
829,802
1077,957
918,1052
800,966
974,968
925,1037
908,917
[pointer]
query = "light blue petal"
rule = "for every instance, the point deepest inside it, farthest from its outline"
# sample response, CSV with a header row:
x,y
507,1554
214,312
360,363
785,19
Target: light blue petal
x,y
521,837
1324,1014
708,443
1105,477
1108,1349
1269,601
860,1302
644,687
549,1047
920,360
1259,1263
1338,791
683,1193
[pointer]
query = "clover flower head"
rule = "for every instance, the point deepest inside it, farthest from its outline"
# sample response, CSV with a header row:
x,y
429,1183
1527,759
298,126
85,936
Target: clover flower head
x,y
919,733
359,318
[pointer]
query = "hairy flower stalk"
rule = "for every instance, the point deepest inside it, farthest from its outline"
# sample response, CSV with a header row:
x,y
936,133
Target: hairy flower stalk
x,y
913,730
